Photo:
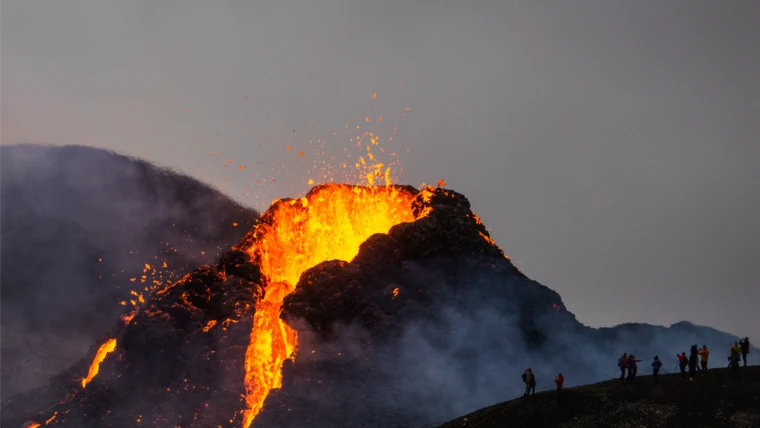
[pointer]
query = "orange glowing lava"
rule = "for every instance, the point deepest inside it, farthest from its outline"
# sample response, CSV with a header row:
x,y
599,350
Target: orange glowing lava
x,y
103,351
329,224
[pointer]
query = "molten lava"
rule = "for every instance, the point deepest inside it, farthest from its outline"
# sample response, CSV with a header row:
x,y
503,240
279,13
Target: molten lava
x,y
330,223
271,343
103,351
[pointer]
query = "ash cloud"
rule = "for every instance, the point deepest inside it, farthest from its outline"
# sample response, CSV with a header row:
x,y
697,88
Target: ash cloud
x,y
66,208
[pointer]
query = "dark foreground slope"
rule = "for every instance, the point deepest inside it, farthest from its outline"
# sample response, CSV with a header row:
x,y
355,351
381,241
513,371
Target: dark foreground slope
x,y
78,226
712,401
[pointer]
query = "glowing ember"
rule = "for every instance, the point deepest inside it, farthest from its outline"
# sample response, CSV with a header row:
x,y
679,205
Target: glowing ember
x,y
103,351
329,224
209,326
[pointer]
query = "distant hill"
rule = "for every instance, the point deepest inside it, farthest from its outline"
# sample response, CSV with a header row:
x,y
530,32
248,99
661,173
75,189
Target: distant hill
x,y
77,223
711,401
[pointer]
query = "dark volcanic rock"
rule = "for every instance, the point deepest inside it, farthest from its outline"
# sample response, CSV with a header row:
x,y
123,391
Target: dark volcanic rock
x,y
444,225
178,362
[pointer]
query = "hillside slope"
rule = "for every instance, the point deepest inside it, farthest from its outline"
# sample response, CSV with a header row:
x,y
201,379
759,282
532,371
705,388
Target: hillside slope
x,y
711,401
78,226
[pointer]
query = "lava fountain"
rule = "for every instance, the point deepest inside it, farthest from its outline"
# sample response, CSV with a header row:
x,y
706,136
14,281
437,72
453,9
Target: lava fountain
x,y
329,223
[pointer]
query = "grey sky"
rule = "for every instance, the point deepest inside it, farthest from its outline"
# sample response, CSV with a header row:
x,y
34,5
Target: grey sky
x,y
611,146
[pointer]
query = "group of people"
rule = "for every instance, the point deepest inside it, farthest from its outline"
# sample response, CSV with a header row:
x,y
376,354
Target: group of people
x,y
696,362
628,365
628,362
529,379
740,348
701,354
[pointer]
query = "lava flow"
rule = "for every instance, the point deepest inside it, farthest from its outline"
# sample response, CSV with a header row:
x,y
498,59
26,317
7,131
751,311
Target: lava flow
x,y
103,351
330,223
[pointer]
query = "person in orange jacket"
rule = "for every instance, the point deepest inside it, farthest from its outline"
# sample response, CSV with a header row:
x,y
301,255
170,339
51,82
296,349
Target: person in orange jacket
x,y
559,380
704,354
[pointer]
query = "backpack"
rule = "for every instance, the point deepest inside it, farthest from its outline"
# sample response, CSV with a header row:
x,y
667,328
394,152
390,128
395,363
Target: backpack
x,y
524,377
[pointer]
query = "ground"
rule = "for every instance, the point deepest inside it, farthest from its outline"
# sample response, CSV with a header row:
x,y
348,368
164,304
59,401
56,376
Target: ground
x,y
711,401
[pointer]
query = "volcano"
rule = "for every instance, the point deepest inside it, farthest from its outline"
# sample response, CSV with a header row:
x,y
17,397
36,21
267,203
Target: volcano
x,y
352,306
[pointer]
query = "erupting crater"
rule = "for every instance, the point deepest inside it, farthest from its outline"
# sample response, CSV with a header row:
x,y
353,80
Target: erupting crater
x,y
330,223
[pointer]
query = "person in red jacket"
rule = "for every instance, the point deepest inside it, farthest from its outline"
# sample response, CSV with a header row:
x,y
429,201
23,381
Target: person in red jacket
x,y
633,369
559,380
683,361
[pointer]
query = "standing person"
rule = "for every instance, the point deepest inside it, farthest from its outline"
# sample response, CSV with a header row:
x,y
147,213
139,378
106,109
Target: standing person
x,y
733,365
656,364
559,380
736,349
530,382
682,362
632,368
744,345
622,364
694,353
704,354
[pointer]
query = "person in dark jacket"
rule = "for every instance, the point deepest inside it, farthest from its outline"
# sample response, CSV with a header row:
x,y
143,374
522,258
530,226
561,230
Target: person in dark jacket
x,y
622,364
693,361
733,364
682,363
656,364
632,368
530,382
744,345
